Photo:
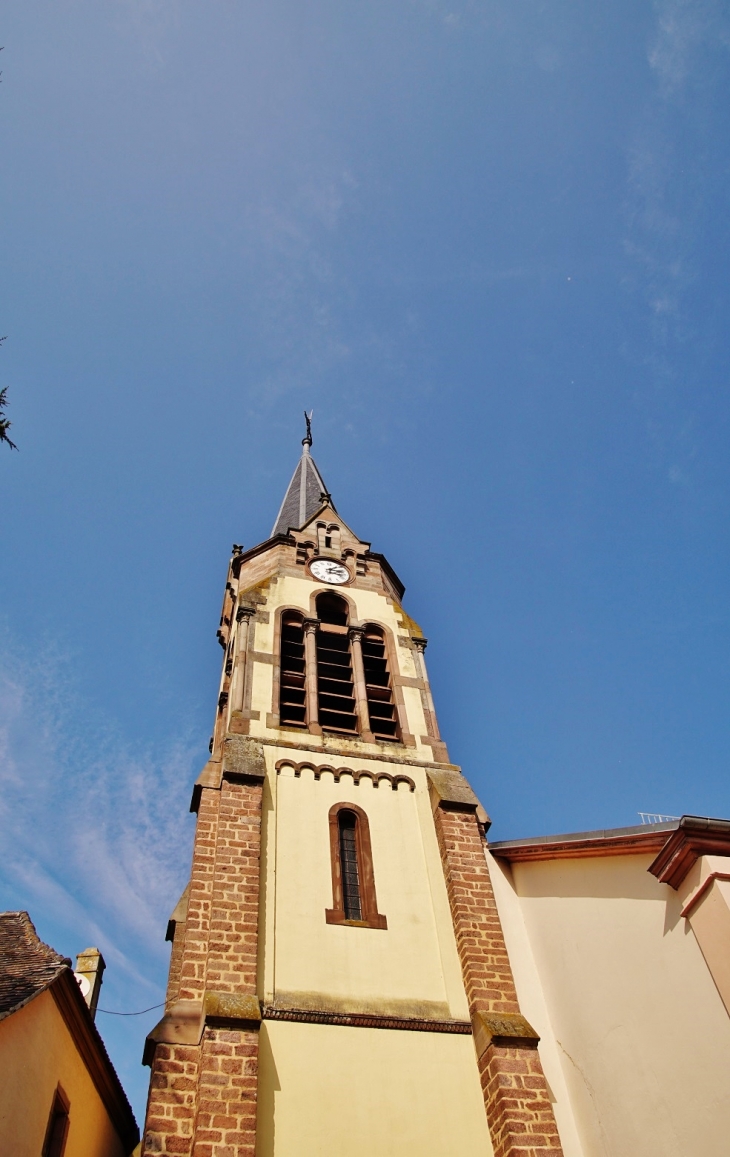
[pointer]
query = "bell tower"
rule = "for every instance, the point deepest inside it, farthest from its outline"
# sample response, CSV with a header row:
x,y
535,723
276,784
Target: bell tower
x,y
339,983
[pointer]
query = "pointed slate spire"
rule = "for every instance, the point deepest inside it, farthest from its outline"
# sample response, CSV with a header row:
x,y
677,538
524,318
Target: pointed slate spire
x,y
306,491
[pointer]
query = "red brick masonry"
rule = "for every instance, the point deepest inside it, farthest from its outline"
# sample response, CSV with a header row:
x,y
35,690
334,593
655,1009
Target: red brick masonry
x,y
517,1101
202,1100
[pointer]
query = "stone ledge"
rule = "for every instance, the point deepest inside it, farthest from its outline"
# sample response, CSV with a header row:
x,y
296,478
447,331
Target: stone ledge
x,y
182,1025
326,1004
452,791
234,1008
509,1029
243,756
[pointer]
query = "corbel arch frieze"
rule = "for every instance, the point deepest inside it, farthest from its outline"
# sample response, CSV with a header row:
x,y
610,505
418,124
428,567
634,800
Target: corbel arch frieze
x,y
376,777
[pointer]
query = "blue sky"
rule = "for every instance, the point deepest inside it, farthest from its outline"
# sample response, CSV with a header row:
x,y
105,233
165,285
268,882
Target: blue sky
x,y
488,244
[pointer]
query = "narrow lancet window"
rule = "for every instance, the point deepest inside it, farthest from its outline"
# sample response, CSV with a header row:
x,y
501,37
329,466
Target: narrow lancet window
x,y
292,692
381,708
352,902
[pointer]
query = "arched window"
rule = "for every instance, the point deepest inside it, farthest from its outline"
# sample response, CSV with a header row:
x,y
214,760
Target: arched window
x,y
335,686
353,880
351,901
57,1128
381,708
332,609
292,690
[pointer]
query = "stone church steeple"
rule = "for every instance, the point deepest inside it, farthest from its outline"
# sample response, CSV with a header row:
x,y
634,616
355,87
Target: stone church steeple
x,y
338,981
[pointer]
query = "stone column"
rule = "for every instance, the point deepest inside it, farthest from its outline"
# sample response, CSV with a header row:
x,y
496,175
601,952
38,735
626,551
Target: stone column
x,y
429,710
238,682
516,1097
311,626
361,694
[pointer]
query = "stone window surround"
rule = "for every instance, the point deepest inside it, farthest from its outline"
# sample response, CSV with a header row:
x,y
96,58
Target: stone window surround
x,y
371,918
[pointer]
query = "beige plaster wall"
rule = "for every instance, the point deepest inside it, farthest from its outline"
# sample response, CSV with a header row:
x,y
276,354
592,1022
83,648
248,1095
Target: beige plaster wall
x,y
415,958
358,1092
36,1052
636,1039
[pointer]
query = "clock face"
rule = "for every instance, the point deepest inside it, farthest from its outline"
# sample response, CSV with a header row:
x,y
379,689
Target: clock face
x,y
328,571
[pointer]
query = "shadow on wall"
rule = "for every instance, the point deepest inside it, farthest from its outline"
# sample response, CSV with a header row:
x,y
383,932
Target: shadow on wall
x,y
596,877
268,1086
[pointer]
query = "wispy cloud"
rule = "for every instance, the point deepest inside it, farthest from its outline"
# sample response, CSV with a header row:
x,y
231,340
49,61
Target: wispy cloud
x,y
668,184
92,828
684,29
665,188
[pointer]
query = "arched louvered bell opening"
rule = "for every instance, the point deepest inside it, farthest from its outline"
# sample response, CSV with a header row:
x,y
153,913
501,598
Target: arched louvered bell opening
x,y
381,708
335,686
292,691
332,609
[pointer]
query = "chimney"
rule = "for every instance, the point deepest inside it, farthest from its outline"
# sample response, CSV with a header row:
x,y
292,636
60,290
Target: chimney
x,y
89,971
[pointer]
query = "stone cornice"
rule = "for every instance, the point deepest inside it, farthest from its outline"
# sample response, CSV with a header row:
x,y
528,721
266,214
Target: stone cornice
x,y
239,559
357,1020
385,757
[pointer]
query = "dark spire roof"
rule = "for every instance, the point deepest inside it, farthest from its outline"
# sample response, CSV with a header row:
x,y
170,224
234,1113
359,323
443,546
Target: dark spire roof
x,y
306,492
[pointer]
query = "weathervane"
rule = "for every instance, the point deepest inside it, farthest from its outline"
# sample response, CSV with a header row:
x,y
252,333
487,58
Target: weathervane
x,y
307,441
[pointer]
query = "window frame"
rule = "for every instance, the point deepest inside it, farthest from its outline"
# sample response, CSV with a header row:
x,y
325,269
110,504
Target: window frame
x,y
371,918
382,632
293,613
53,1144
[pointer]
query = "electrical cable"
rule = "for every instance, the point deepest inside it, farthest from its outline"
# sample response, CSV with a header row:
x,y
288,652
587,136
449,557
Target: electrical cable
x,y
141,1012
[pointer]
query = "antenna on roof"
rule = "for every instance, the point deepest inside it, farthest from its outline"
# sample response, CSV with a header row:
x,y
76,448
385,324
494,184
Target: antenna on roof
x,y
307,440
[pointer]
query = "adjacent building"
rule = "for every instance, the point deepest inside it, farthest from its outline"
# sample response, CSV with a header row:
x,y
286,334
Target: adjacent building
x,y
59,1093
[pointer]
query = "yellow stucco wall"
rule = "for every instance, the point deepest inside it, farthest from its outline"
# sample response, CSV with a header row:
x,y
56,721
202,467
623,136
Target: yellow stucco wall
x,y
415,959
636,1039
360,1092
36,1052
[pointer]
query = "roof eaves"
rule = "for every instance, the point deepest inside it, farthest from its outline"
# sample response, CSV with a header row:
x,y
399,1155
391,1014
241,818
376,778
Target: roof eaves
x,y
244,556
636,840
75,1012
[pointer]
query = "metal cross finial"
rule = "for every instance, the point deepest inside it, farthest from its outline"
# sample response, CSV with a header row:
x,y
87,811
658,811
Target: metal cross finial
x,y
307,440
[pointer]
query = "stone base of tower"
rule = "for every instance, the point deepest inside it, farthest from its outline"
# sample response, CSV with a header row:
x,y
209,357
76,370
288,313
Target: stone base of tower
x,y
202,1100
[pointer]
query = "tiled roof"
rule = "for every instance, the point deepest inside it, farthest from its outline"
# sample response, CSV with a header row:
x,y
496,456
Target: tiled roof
x,y
27,965
303,496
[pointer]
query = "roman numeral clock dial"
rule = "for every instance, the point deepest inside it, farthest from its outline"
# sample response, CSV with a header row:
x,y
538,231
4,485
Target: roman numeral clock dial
x,y
329,572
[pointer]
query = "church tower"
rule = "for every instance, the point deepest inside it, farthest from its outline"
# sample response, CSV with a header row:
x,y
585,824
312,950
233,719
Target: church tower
x,y
339,984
